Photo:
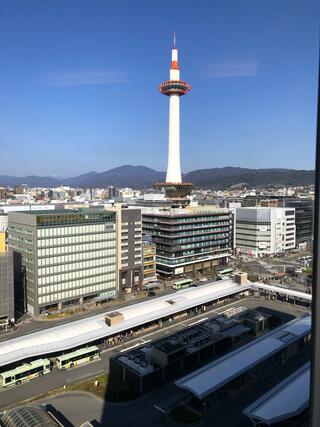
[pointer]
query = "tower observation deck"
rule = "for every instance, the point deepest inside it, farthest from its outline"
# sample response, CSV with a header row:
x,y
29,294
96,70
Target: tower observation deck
x,y
174,88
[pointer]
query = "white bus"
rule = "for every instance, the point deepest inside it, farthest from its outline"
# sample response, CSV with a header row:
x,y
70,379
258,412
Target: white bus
x,y
77,357
25,372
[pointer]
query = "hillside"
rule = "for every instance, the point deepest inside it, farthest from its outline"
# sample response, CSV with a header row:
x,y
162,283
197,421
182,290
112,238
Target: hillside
x,y
143,177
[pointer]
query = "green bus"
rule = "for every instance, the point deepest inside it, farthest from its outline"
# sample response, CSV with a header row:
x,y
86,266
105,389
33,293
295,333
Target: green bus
x,y
25,372
182,284
77,357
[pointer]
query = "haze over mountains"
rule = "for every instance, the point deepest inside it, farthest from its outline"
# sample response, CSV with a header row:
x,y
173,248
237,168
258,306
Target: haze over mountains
x,y
143,177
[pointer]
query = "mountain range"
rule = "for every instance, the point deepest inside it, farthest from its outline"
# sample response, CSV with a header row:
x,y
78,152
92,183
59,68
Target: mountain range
x,y
143,177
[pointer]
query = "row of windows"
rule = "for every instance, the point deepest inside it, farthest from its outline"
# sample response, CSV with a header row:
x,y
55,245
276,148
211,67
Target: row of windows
x,y
253,223
71,294
199,257
20,230
71,249
75,266
62,231
16,247
204,244
77,284
58,241
20,239
192,219
62,259
76,274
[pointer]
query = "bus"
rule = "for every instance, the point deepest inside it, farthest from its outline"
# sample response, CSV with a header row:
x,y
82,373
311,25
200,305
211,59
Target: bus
x,y
77,357
182,284
25,372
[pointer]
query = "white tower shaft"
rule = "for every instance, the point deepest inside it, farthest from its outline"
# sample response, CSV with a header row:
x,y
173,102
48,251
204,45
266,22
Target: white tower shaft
x,y
174,168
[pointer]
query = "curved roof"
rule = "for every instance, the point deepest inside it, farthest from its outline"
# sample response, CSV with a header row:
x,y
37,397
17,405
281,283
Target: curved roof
x,y
209,378
287,399
85,331
27,416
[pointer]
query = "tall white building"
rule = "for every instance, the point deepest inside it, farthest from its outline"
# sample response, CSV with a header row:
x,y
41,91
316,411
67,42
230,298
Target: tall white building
x,y
263,231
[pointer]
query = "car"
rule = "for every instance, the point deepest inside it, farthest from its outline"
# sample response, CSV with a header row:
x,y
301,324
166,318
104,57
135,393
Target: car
x,y
152,294
194,285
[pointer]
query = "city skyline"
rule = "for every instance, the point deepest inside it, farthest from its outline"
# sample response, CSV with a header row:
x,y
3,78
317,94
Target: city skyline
x,y
83,96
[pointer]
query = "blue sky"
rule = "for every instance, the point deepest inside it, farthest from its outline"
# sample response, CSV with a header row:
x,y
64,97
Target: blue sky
x,y
78,83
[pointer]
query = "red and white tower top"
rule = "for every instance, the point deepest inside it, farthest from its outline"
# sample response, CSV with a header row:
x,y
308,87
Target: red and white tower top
x,y
174,86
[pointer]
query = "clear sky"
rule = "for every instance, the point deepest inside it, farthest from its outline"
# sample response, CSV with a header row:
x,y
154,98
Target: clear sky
x,y
78,83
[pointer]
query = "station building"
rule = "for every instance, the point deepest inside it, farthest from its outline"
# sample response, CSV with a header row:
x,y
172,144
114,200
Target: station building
x,y
215,382
150,365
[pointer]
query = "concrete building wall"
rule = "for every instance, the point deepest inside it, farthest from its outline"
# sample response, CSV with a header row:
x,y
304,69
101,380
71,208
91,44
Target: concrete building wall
x,y
264,230
130,273
6,287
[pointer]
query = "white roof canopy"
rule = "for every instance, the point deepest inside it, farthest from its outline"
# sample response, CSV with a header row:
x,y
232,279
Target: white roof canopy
x,y
85,331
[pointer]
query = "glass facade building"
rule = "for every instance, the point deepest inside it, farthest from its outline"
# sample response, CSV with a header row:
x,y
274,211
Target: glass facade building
x,y
67,256
190,239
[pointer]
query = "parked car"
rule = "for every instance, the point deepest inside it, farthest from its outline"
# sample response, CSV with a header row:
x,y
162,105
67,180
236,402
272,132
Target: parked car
x,y
152,294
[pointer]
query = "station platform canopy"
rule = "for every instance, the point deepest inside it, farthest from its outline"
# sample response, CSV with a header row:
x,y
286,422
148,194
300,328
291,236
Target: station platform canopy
x,y
283,291
214,375
85,331
287,399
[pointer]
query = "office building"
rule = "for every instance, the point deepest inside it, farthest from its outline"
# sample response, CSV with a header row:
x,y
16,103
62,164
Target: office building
x,y
3,193
112,192
7,313
129,248
149,262
303,219
264,231
68,256
189,240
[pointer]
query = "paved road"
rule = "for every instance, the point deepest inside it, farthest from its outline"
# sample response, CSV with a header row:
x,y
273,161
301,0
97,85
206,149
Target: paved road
x,y
59,378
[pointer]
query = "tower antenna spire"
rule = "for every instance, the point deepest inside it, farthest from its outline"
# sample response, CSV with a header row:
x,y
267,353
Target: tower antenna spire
x,y
174,39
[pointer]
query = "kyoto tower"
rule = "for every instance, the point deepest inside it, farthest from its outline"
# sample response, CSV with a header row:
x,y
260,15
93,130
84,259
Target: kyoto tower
x,y
174,89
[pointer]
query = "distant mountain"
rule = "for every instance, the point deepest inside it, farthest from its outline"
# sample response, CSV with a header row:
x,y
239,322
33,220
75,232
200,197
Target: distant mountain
x,y
80,180
143,177
229,176
30,181
124,176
